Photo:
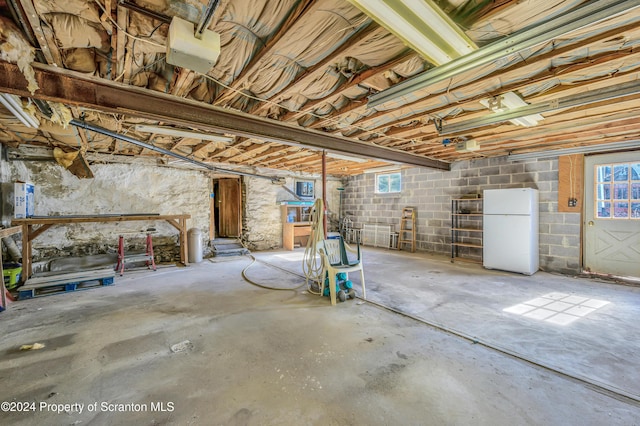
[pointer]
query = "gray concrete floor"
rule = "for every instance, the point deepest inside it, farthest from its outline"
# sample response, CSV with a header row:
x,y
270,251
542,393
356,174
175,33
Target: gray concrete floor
x,y
264,357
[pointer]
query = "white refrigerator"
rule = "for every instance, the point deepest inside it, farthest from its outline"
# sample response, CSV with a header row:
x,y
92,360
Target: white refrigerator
x,y
510,230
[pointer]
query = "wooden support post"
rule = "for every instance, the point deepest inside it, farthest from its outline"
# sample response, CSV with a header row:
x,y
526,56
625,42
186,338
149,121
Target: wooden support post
x,y
324,191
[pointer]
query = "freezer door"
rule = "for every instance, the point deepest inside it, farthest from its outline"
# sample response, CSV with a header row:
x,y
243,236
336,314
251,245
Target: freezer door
x,y
510,201
510,243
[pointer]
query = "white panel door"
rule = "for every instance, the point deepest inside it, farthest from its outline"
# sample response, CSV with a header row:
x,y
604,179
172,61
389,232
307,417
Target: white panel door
x,y
612,214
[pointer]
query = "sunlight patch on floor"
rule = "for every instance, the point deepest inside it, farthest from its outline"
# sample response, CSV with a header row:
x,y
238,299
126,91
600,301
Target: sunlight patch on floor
x,y
557,308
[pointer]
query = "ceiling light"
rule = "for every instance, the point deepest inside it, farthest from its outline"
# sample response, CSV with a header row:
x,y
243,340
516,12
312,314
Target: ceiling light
x,y
14,105
422,25
616,146
346,157
589,14
508,101
170,131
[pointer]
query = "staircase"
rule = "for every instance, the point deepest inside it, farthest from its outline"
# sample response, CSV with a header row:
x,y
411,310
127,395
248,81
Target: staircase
x,y
228,247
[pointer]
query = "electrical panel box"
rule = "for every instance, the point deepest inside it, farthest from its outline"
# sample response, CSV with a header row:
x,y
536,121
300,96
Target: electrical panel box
x,y
186,51
466,146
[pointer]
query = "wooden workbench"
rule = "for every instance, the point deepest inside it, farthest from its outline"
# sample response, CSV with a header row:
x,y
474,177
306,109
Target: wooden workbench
x,y
32,227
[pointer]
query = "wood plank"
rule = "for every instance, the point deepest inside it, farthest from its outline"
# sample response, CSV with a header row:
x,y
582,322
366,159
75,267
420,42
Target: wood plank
x,y
10,231
570,182
84,219
49,280
45,35
122,19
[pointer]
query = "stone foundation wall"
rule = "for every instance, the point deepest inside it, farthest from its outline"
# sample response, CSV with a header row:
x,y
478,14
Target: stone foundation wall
x,y
431,191
262,221
137,187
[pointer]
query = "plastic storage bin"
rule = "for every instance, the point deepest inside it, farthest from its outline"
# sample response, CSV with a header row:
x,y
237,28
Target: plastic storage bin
x,y
12,272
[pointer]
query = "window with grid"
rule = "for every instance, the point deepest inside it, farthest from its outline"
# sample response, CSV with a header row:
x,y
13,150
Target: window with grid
x,y
617,191
388,183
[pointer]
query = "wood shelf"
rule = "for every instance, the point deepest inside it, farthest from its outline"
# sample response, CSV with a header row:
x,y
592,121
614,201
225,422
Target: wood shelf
x,y
467,229
467,245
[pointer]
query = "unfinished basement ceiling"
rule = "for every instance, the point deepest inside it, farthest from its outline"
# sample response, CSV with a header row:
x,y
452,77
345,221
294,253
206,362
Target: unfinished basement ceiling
x,y
306,70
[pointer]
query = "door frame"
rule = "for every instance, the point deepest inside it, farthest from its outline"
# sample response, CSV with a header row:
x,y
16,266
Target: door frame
x,y
588,217
214,205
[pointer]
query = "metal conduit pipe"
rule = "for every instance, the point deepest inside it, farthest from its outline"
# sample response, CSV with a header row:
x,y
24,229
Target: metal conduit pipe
x,y
107,132
206,18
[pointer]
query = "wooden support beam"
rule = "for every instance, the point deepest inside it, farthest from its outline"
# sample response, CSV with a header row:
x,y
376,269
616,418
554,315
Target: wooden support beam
x,y
273,150
121,52
44,34
242,156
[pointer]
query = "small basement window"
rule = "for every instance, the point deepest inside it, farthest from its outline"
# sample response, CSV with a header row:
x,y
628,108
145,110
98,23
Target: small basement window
x,y
304,188
387,183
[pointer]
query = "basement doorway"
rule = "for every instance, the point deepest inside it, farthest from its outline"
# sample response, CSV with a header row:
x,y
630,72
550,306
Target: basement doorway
x,y
611,226
226,215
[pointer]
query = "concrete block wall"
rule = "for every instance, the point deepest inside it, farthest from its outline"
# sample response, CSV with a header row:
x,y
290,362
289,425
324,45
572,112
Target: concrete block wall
x,y
431,191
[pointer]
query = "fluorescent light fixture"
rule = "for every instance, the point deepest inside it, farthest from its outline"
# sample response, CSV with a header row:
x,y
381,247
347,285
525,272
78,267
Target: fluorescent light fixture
x,y
14,105
170,131
346,157
422,25
589,14
383,169
605,147
508,101
605,94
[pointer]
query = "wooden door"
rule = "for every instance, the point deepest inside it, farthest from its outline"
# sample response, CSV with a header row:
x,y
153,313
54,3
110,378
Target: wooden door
x,y
229,198
612,214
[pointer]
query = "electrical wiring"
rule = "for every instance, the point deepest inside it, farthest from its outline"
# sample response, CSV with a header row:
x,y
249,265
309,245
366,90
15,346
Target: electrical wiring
x,y
311,262
108,15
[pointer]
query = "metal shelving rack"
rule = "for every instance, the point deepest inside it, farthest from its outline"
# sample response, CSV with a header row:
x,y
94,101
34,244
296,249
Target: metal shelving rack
x,y
466,229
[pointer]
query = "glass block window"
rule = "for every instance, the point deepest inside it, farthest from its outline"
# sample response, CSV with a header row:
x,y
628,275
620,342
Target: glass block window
x,y
388,183
617,191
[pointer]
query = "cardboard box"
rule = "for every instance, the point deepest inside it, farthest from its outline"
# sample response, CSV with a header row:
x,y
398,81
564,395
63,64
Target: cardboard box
x,y
23,200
